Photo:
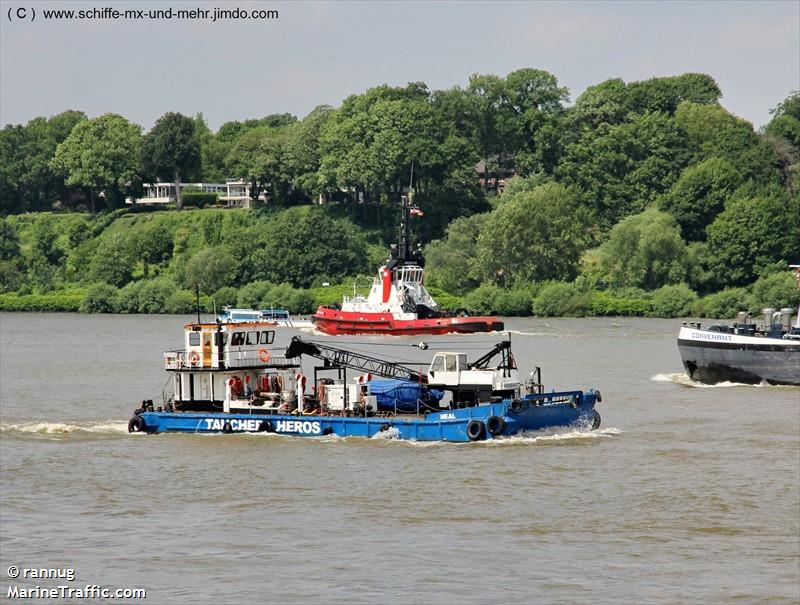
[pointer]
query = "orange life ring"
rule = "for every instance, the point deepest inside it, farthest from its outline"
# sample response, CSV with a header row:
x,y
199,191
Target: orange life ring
x,y
194,358
263,355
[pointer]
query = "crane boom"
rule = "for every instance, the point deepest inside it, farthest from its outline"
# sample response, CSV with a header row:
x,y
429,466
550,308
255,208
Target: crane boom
x,y
348,359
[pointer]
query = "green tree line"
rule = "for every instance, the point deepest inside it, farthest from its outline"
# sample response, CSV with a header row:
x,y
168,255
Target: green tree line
x,y
638,198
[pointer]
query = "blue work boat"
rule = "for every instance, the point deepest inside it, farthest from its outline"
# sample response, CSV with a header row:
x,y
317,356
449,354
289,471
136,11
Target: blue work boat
x,y
230,379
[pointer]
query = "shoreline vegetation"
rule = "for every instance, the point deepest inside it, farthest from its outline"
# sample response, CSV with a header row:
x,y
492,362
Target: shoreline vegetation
x,y
639,199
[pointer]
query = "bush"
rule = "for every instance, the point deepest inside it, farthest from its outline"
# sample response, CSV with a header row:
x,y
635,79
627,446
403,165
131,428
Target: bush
x,y
491,299
777,290
278,297
673,301
154,294
251,295
100,298
303,301
224,297
128,297
558,299
46,303
724,304
613,303
198,198
211,269
180,302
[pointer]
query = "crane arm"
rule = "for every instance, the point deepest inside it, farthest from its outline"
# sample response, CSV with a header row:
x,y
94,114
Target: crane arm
x,y
340,357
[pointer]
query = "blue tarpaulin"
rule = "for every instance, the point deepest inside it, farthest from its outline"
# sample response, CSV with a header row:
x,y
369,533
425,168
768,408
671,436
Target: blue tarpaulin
x,y
403,395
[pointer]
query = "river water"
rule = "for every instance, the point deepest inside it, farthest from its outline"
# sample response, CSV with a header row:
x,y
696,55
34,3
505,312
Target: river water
x,y
686,494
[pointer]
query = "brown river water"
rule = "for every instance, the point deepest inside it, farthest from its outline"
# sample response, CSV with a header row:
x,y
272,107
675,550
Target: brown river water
x,y
686,494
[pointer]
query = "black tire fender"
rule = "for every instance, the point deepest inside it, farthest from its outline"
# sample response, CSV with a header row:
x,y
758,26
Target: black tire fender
x,y
328,430
516,406
495,425
266,427
596,420
475,430
136,425
227,428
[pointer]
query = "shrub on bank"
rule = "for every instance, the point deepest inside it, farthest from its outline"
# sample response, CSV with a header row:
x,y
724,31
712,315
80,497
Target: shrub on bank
x,y
558,299
610,303
673,301
100,298
777,290
50,302
724,304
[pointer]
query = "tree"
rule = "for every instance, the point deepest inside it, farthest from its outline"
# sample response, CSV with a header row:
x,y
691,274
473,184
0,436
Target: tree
x,y
210,269
700,194
757,229
27,180
783,134
451,260
171,151
303,149
536,235
710,130
102,155
621,169
644,251
259,156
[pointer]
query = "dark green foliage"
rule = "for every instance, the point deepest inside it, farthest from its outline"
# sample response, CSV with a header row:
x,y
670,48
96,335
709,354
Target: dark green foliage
x,y
560,298
171,150
211,269
777,290
100,298
451,260
757,228
198,199
301,244
724,304
673,301
490,299
699,195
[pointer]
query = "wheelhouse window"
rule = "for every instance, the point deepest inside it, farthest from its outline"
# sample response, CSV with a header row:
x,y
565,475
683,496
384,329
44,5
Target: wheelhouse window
x,y
438,364
267,336
252,338
237,340
194,339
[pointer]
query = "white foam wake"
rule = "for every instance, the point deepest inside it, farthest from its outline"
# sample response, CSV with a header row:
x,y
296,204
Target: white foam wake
x,y
684,380
60,428
534,437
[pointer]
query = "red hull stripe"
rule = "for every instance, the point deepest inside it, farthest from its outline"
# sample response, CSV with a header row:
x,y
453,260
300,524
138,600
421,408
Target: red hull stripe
x,y
338,322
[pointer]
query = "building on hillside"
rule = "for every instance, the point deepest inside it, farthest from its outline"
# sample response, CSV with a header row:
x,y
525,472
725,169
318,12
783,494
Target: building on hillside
x,y
231,194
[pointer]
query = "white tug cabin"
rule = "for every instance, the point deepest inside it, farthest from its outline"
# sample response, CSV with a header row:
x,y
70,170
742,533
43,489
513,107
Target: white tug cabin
x,y
233,368
397,290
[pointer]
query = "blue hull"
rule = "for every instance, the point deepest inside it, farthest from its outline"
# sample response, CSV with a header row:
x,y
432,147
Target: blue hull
x,y
485,421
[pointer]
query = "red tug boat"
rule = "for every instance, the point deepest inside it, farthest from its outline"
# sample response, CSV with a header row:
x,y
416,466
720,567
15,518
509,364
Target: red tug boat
x,y
398,303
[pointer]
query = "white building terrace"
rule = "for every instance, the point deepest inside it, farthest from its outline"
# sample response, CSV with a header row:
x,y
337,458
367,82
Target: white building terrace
x,y
232,194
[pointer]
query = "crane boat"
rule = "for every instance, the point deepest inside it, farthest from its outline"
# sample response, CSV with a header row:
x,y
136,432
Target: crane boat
x,y
232,378
398,302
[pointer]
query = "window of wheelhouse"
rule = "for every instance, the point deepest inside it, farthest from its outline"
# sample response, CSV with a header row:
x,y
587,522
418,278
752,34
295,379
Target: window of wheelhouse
x,y
252,338
237,340
266,337
194,339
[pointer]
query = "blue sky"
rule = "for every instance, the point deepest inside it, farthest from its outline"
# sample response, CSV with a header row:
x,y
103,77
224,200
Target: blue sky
x,y
320,52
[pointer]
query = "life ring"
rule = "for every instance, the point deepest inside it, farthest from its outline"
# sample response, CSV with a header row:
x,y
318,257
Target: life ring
x,y
475,430
516,406
136,425
266,427
227,428
596,420
263,355
495,425
236,385
194,358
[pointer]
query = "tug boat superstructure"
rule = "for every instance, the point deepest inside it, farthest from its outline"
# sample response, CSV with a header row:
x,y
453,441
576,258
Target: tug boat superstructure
x,y
233,378
398,303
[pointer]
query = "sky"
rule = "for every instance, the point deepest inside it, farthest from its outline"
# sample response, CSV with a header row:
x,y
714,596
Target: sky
x,y
318,53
